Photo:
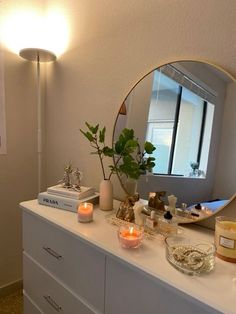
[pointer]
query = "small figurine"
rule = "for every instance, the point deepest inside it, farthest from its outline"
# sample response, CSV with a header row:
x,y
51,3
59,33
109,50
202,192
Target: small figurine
x,y
78,177
155,200
126,210
67,183
67,176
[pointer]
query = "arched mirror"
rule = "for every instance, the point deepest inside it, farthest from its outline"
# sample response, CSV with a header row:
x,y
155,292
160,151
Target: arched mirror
x,y
185,109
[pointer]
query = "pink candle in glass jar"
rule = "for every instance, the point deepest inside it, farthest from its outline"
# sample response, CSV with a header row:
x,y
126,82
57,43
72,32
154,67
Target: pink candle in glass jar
x,y
130,236
85,212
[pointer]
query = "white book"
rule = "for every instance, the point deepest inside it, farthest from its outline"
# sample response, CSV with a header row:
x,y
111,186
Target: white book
x,y
66,203
62,191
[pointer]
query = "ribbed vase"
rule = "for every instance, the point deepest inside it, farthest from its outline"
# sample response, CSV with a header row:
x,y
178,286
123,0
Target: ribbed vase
x,y
106,195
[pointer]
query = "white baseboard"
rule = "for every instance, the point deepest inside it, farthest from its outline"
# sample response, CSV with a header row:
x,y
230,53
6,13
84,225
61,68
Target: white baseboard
x,y
10,288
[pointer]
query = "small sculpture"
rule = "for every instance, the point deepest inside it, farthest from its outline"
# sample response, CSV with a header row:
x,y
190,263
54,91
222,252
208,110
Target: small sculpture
x,y
155,200
67,176
78,177
126,210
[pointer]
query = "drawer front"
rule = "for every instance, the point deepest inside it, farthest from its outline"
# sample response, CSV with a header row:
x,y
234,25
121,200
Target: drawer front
x,y
78,265
29,306
47,293
130,291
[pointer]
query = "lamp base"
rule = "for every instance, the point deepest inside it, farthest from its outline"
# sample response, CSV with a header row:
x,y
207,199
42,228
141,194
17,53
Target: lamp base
x,y
36,54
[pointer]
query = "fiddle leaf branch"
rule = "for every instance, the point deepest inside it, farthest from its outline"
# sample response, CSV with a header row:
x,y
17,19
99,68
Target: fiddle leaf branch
x,y
96,137
126,152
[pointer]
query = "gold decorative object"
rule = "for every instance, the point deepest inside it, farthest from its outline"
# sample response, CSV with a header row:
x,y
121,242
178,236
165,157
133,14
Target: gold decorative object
x,y
155,200
126,211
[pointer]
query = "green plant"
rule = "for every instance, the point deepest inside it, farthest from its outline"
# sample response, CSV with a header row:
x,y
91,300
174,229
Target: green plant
x,y
128,157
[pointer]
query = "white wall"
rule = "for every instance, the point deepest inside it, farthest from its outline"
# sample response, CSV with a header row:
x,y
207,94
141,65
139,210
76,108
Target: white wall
x,y
113,44
18,168
225,183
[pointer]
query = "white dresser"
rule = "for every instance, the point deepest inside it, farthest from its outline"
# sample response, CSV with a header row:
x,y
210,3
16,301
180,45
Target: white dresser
x,y
73,268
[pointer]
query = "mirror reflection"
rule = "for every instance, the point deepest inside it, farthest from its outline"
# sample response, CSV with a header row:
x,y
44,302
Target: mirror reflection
x,y
179,107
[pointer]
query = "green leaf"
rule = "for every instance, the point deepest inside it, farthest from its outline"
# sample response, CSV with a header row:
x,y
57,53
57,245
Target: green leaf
x,y
102,135
88,135
127,159
151,158
119,147
131,145
128,134
149,147
92,129
88,126
95,129
107,151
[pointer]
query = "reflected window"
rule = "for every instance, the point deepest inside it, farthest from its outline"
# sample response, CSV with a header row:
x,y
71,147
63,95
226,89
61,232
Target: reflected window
x,y
179,124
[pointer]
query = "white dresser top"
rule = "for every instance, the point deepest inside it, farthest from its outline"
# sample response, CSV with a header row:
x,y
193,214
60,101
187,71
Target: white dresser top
x,y
216,289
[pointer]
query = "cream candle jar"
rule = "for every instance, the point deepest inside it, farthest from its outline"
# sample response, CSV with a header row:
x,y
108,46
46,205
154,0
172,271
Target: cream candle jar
x,y
225,238
85,212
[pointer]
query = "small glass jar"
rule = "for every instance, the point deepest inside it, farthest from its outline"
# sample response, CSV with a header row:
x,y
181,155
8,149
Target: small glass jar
x,y
85,212
130,236
225,238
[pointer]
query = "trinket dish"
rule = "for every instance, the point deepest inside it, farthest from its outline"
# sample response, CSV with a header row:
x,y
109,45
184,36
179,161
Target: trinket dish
x,y
191,257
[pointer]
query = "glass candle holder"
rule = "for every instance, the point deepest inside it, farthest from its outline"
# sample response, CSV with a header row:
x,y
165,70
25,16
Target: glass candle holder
x,y
225,238
130,236
85,212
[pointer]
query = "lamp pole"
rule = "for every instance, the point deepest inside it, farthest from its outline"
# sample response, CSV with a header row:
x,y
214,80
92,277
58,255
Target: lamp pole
x,y
38,55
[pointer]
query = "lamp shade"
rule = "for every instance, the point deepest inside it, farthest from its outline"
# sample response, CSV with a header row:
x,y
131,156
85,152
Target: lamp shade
x,y
36,54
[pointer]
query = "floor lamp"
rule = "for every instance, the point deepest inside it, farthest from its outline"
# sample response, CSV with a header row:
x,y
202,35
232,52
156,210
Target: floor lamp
x,y
38,56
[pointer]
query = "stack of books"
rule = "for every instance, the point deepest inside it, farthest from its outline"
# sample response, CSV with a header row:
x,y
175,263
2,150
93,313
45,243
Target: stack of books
x,y
68,199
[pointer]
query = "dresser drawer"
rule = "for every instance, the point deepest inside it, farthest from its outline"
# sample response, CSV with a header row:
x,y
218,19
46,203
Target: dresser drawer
x,y
50,296
29,306
79,266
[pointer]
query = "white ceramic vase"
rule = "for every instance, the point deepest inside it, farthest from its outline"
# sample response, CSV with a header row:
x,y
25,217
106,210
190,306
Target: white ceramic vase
x,y
106,195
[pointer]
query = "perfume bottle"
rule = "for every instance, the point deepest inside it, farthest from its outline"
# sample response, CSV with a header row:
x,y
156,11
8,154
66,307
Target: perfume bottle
x,y
172,199
166,225
151,221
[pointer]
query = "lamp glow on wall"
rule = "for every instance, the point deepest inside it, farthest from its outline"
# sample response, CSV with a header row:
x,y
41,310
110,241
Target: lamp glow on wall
x,y
32,28
39,38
